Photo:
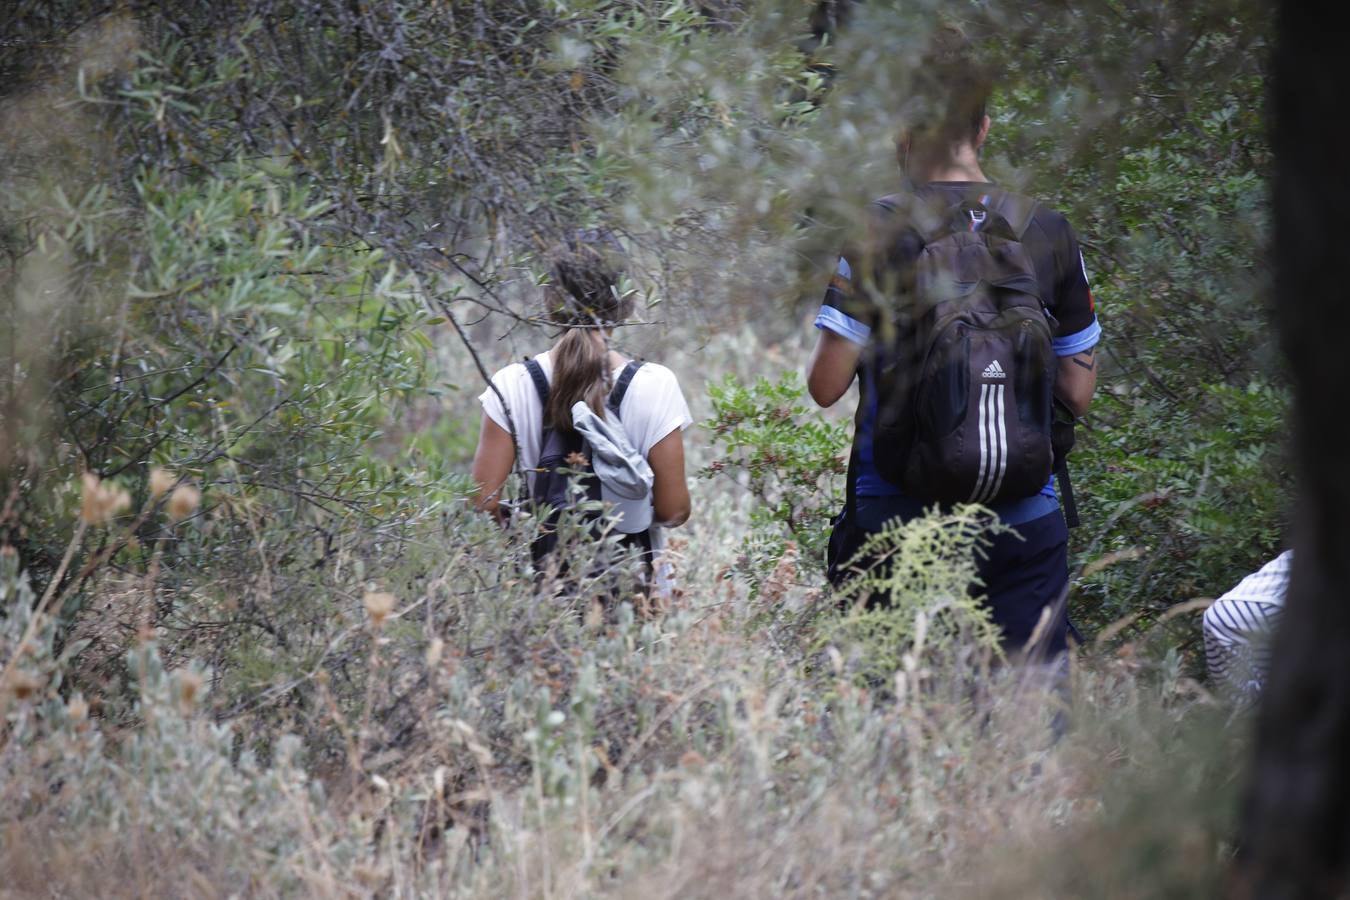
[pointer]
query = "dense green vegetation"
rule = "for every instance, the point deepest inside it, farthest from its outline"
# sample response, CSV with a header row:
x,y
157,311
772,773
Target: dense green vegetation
x,y
268,249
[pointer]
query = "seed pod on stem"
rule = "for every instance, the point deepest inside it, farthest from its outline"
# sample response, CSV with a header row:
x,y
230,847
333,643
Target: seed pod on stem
x,y
183,502
379,604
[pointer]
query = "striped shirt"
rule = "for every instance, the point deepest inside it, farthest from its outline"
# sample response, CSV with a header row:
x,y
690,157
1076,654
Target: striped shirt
x,y
1238,626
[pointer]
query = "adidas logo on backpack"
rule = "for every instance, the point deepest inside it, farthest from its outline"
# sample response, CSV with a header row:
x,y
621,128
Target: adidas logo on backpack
x,y
951,428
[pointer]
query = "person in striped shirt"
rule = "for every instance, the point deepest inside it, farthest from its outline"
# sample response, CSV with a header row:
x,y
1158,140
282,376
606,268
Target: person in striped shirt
x,y
1238,627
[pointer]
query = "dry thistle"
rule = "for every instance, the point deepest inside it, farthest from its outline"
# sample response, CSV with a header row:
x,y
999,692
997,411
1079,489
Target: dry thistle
x,y
23,684
91,496
434,650
783,576
161,481
77,709
189,687
379,604
692,759
369,876
183,502
99,500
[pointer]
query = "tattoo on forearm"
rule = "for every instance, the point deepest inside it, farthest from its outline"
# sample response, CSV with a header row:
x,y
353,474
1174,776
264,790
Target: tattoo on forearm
x,y
1086,359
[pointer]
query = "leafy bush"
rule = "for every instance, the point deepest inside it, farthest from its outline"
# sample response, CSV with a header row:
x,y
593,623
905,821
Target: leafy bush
x,y
925,568
789,460
1183,500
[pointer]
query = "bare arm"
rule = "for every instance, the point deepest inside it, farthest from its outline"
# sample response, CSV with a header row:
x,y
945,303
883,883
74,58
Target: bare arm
x,y
670,492
492,463
1076,380
832,367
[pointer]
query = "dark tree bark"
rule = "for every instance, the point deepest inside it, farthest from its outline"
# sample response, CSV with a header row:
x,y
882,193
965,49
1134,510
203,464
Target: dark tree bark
x,y
1296,825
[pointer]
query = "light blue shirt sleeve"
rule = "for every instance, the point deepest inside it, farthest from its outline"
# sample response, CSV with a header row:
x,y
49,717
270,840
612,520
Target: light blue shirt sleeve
x,y
1079,341
831,319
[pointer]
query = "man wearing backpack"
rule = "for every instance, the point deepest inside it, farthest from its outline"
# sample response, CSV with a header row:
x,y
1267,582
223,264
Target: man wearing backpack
x,y
966,316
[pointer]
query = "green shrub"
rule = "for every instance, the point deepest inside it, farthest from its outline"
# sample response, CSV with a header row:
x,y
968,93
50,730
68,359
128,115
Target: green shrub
x,y
1183,500
789,460
926,569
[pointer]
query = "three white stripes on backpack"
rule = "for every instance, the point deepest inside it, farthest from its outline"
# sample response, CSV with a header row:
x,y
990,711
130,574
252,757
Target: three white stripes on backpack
x,y
993,440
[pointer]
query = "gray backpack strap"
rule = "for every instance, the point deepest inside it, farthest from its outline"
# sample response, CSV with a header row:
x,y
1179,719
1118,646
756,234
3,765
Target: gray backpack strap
x,y
891,202
1016,209
621,386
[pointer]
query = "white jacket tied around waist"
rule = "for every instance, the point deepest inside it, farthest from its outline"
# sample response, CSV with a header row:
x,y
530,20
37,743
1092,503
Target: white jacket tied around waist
x,y
625,477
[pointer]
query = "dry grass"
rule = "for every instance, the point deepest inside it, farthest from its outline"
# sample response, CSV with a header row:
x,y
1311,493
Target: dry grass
x,y
539,751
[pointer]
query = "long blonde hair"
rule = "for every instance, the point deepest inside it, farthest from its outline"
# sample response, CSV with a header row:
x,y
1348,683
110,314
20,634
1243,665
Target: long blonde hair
x,y
584,299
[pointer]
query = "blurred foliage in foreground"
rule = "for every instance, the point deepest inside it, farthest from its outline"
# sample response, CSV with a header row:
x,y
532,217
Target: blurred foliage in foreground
x,y
264,250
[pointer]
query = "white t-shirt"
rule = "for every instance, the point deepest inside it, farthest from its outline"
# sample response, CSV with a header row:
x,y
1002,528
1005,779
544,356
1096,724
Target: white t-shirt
x,y
653,407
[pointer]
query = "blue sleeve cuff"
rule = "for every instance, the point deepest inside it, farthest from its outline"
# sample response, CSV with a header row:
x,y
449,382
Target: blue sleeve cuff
x,y
831,319
1078,342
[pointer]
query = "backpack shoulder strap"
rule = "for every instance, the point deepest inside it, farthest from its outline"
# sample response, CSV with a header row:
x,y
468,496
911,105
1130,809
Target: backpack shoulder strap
x,y
541,387
890,202
540,381
621,386
1016,209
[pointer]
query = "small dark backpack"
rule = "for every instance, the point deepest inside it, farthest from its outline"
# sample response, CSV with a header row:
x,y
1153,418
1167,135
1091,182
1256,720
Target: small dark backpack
x,y
564,457
964,407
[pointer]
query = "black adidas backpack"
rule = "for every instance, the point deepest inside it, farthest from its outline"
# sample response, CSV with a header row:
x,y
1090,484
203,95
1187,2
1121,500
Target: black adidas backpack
x,y
560,461
964,402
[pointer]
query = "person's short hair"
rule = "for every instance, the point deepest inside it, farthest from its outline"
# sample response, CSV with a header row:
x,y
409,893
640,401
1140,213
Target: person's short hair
x,y
952,91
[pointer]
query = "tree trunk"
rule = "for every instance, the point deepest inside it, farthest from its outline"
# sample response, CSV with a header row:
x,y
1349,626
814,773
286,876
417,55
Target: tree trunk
x,y
1295,839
